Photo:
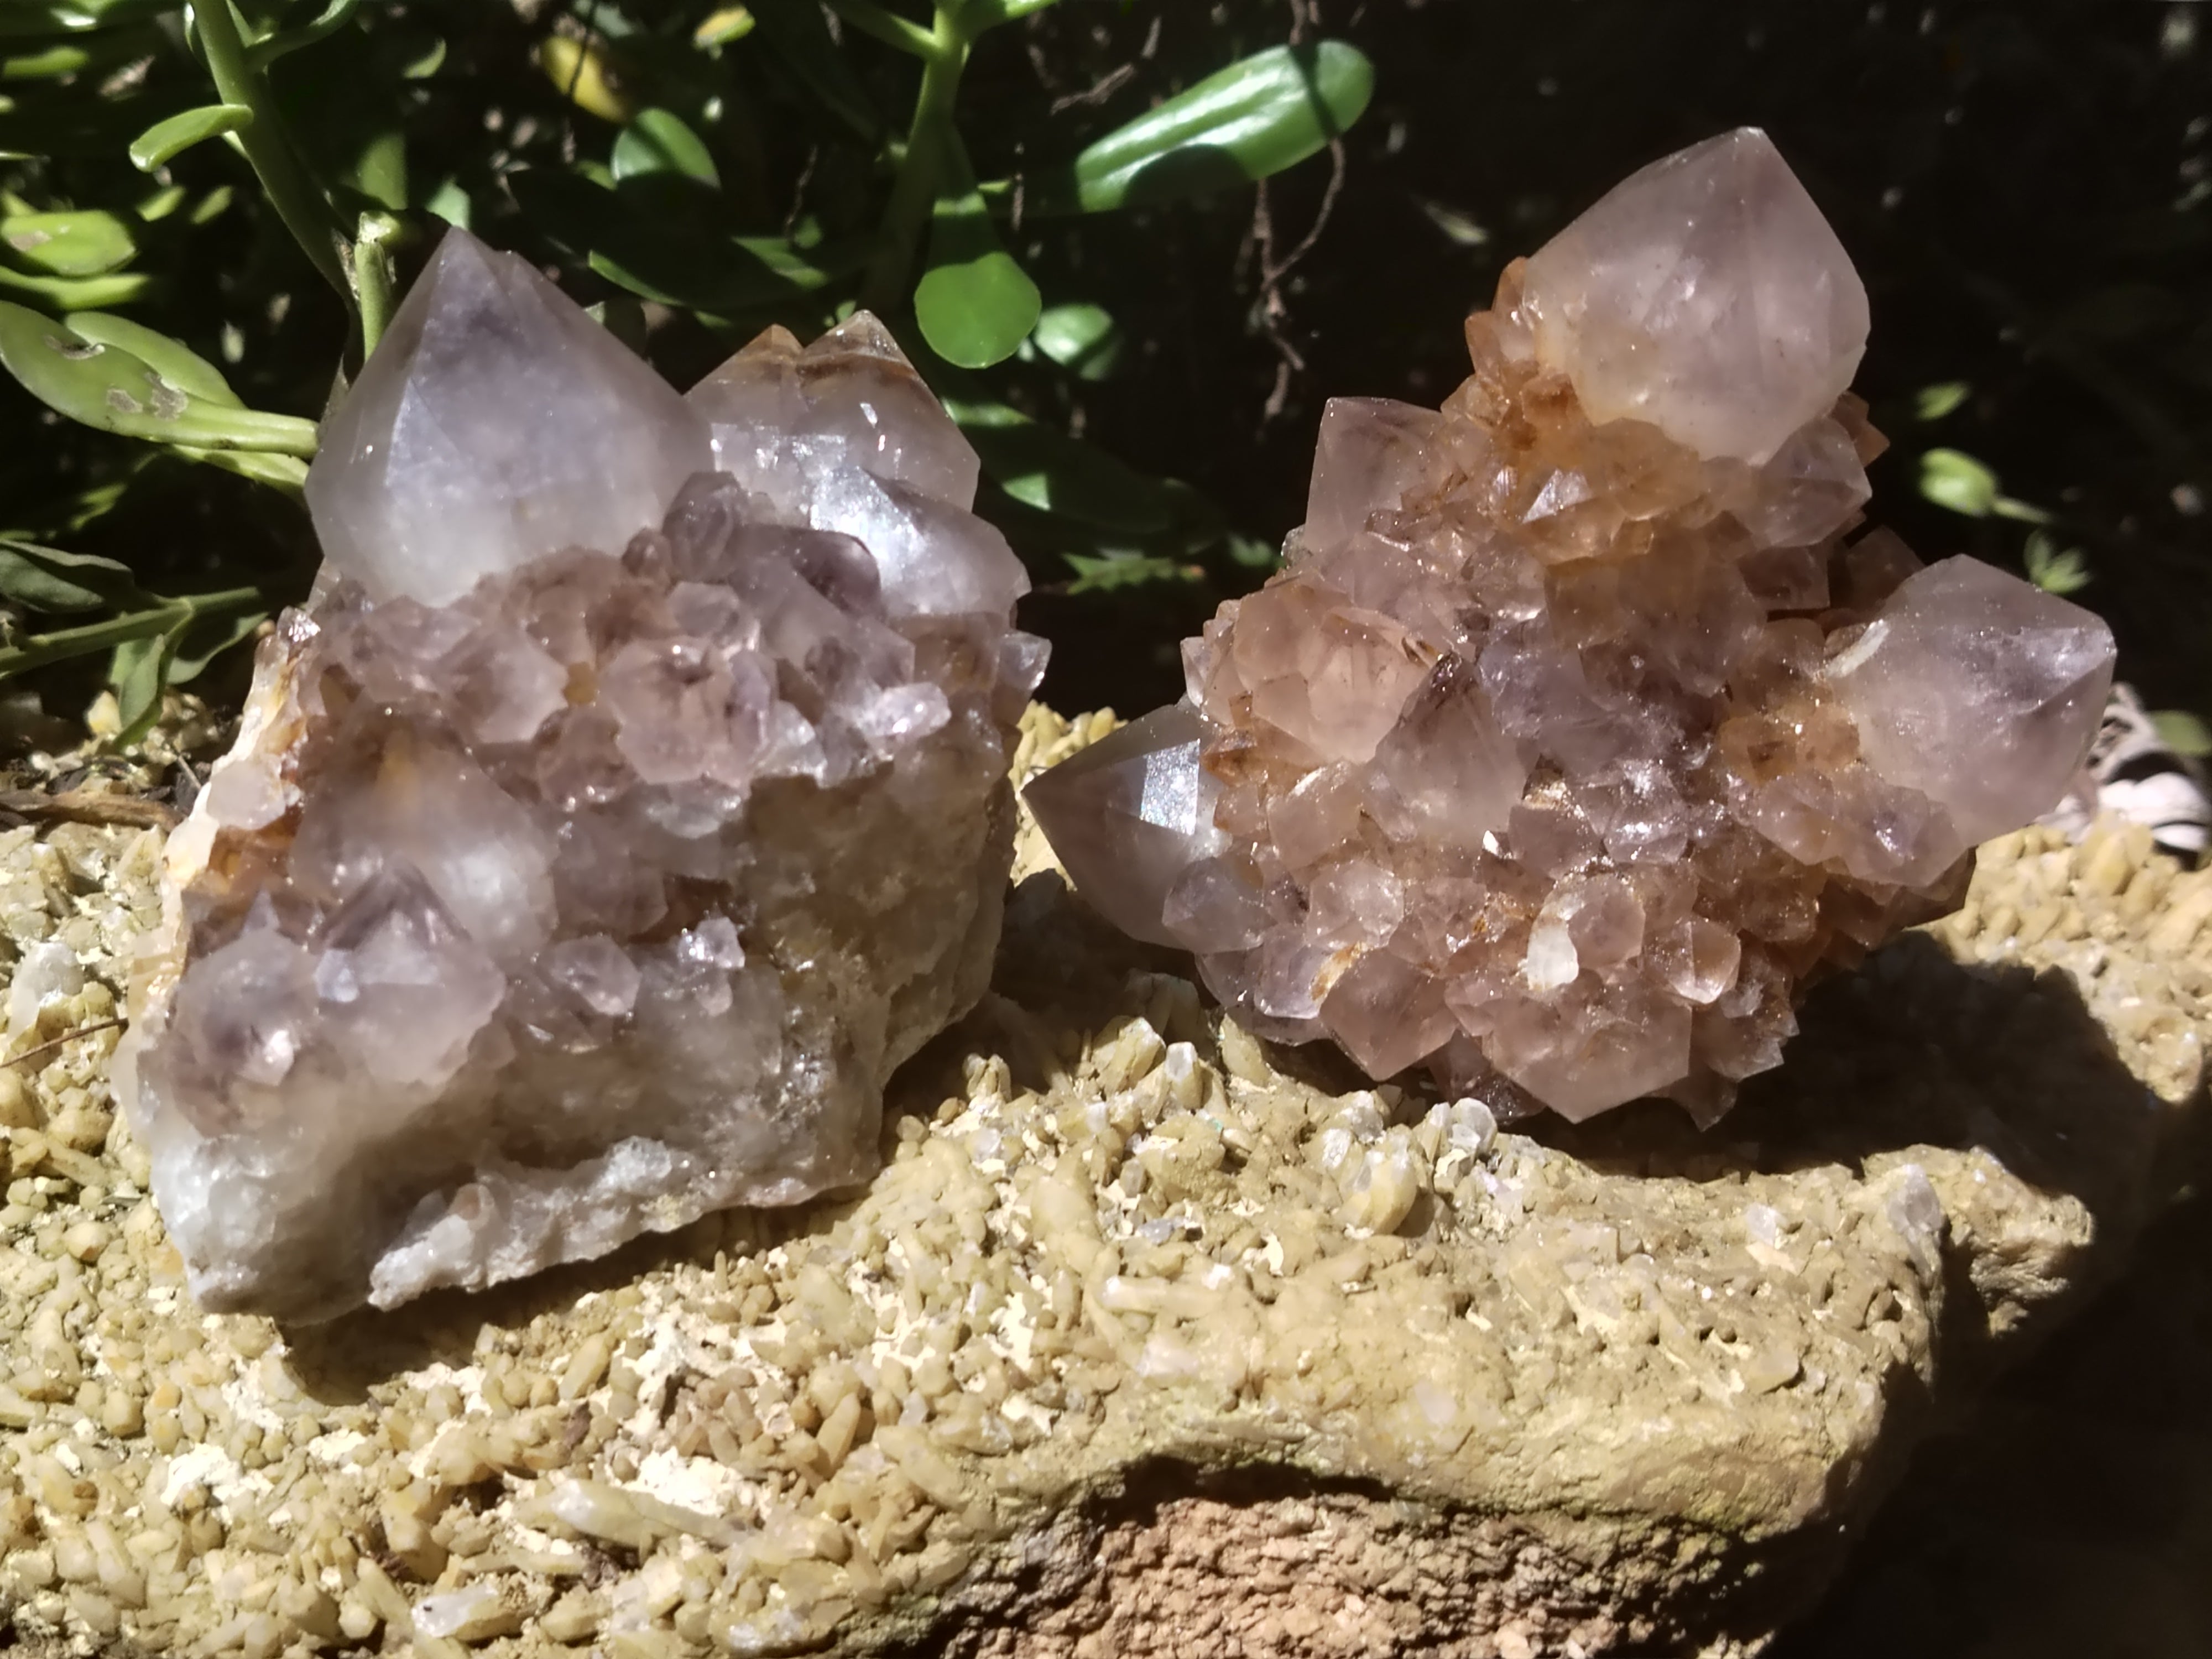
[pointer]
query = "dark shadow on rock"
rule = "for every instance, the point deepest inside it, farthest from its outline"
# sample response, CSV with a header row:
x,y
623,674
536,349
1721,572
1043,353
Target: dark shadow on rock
x,y
1916,1048
2074,1515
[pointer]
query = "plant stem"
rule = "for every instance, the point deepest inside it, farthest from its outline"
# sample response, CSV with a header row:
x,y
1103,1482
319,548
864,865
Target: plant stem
x,y
39,649
915,188
887,26
299,204
1006,11
372,276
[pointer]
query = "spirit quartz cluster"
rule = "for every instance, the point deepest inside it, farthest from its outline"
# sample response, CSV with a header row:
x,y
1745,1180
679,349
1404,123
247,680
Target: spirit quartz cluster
x,y
1582,726
628,799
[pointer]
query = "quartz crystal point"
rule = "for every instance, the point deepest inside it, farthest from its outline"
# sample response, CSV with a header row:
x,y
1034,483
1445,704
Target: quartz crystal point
x,y
1707,295
1139,799
496,424
1582,726
603,887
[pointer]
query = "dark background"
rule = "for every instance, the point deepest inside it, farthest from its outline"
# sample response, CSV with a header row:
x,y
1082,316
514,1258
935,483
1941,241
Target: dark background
x,y
2024,189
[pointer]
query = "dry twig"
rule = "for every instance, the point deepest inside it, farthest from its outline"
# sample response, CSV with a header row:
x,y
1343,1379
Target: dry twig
x,y
90,806
67,1038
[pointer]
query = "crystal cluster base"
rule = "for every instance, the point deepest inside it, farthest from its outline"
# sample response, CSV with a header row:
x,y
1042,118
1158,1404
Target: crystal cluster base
x,y
1581,727
606,887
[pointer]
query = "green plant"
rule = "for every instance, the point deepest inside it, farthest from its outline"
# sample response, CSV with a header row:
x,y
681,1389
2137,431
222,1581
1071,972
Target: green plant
x,y
250,180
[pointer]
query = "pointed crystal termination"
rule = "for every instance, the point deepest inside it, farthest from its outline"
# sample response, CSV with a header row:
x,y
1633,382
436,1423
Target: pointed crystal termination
x,y
1975,688
843,434
496,424
1705,295
1579,731
1129,814
603,836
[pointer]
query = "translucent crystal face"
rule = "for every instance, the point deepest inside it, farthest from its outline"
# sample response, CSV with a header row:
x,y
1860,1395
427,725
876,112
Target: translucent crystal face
x,y
496,424
1129,814
608,829
1705,295
1568,745
843,434
1975,688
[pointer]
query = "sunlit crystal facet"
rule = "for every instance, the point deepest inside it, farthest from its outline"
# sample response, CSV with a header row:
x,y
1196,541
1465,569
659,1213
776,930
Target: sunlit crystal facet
x,y
1707,295
496,424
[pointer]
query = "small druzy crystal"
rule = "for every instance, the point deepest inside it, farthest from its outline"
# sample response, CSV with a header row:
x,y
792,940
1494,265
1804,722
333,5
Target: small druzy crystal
x,y
605,829
1580,728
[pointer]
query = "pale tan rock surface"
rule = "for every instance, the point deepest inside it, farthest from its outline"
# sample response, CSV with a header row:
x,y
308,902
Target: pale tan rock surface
x,y
1146,1339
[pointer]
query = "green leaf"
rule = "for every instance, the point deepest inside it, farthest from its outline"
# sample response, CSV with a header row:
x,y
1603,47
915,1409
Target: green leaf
x,y
974,304
723,26
450,202
152,617
1080,337
136,674
976,312
287,473
79,293
46,63
1461,229
1094,574
2052,570
380,169
1933,402
1054,473
93,52
161,204
659,141
981,15
586,72
112,388
203,639
1958,481
900,33
1251,552
47,578
155,146
1254,118
2008,507
21,17
2183,732
283,42
172,359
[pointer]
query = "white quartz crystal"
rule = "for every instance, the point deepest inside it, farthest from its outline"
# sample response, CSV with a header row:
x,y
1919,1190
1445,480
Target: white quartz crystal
x,y
602,881
496,422
1707,295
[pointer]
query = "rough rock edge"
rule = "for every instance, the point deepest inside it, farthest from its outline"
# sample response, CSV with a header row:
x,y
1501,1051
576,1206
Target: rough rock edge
x,y
1188,1554
1133,1520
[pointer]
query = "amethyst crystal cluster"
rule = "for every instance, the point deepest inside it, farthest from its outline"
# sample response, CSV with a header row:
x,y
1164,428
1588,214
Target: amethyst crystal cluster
x,y
1582,725
628,801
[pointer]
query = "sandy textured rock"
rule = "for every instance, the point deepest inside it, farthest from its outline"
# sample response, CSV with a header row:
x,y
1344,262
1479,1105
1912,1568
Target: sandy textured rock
x,y
1147,1339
